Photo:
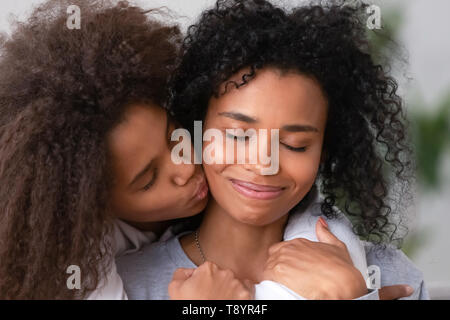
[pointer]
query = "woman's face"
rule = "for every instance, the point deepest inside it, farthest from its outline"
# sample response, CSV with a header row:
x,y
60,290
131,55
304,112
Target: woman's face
x,y
148,186
295,105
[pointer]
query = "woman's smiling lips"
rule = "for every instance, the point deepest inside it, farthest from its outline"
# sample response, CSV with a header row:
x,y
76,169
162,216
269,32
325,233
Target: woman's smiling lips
x,y
256,191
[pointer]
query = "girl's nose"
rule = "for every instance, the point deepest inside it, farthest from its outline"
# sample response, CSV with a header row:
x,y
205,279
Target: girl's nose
x,y
183,172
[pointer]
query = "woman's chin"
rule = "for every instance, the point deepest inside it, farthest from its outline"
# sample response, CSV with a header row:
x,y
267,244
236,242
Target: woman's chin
x,y
257,219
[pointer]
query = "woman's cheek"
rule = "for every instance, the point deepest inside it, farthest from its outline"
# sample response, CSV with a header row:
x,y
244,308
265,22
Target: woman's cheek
x,y
303,169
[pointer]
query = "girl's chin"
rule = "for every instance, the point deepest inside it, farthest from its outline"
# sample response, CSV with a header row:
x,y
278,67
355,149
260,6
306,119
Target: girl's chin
x,y
198,207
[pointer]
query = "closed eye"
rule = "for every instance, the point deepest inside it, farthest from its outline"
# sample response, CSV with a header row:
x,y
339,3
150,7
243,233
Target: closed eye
x,y
151,183
243,138
301,149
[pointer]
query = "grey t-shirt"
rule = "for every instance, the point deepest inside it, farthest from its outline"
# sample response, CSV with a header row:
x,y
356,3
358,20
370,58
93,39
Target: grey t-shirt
x,y
146,274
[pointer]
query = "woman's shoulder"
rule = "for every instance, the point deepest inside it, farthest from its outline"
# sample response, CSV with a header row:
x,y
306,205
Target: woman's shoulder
x,y
388,265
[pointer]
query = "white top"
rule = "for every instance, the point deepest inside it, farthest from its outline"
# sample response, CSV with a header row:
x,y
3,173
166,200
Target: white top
x,y
127,239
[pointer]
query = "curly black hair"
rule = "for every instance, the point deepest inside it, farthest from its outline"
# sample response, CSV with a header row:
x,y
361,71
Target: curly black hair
x,y
61,92
368,165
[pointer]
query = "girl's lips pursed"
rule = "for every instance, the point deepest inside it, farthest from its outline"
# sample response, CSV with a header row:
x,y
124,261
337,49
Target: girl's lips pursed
x,y
202,191
256,191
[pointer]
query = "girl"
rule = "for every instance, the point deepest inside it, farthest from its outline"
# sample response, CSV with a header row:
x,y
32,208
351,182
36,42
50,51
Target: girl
x,y
84,140
309,74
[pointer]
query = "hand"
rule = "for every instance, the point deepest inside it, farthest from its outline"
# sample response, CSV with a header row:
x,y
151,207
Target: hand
x,y
315,270
209,282
395,292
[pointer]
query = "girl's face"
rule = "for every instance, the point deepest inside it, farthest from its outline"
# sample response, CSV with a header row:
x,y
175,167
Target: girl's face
x,y
295,105
148,186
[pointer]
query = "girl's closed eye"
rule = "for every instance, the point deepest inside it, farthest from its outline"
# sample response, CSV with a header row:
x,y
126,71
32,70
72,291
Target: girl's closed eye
x,y
151,183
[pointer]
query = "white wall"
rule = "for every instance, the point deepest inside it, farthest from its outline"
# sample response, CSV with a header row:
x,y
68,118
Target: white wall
x,y
426,35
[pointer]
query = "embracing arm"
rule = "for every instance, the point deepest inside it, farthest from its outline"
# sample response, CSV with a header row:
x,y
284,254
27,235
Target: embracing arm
x,y
317,269
324,270
320,270
208,282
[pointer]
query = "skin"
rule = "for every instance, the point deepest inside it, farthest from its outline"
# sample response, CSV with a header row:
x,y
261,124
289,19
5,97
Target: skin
x,y
149,188
334,276
304,266
216,284
263,100
148,208
238,231
163,192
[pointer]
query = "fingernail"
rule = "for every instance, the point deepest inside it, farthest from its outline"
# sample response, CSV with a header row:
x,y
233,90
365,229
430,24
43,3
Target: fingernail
x,y
409,290
323,222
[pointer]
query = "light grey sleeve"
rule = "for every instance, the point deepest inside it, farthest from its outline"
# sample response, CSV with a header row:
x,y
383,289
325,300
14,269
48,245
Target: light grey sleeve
x,y
397,268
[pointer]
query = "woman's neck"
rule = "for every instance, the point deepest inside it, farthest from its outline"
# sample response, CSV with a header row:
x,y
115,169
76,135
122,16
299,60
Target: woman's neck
x,y
232,244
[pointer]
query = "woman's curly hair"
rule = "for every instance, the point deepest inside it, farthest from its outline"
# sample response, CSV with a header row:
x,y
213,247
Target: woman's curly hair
x,y
61,91
368,168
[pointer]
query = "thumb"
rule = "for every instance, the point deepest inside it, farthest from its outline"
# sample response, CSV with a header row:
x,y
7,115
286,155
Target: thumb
x,y
324,234
182,274
395,292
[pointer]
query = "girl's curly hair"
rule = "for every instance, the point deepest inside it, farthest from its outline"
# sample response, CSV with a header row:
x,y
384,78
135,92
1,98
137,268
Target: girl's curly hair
x,y
368,166
61,91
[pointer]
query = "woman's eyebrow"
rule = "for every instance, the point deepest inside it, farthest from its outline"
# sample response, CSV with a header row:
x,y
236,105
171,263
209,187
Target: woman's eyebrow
x,y
238,116
299,128
289,128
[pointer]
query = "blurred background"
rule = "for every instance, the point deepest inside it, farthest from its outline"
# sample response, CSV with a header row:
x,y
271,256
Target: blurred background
x,y
421,29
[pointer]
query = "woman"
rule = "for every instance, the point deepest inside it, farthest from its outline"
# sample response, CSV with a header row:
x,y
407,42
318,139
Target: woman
x,y
250,65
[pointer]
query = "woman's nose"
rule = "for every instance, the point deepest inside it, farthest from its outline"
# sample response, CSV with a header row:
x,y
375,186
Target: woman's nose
x,y
266,155
259,168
